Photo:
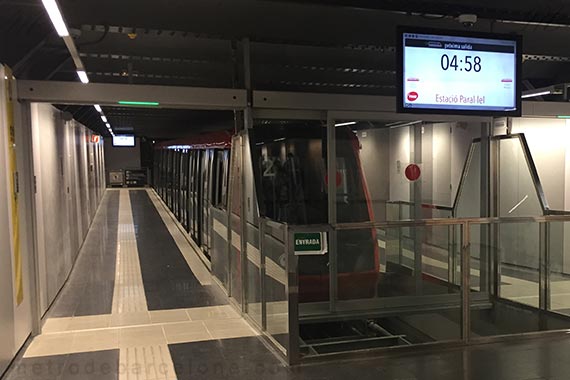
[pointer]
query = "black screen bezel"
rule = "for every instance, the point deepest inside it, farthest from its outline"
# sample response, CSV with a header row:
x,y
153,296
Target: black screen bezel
x,y
455,33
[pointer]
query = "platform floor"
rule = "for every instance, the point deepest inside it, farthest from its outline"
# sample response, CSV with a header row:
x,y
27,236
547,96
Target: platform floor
x,y
140,305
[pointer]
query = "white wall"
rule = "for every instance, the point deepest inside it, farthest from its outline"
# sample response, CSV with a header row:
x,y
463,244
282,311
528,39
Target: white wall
x,y
386,152
400,152
375,159
68,170
57,167
549,144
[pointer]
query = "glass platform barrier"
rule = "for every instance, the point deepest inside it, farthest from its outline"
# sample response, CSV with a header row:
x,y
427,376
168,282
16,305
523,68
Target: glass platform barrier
x,y
445,276
426,299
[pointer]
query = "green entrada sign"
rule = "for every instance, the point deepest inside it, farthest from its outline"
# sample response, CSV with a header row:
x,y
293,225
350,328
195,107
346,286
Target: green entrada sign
x,y
310,243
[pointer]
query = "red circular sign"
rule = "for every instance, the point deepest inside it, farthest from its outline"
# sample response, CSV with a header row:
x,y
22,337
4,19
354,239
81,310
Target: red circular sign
x,y
413,96
413,172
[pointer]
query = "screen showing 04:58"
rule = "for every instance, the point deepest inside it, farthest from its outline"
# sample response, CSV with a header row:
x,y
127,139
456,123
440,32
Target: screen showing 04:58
x,y
454,74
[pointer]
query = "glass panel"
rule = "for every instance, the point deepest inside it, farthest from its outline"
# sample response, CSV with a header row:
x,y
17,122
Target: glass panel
x,y
253,274
468,204
275,282
519,260
407,300
220,246
506,300
517,191
377,160
558,234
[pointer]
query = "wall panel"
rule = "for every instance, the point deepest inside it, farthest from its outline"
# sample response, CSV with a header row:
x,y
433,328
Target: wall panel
x,y
69,191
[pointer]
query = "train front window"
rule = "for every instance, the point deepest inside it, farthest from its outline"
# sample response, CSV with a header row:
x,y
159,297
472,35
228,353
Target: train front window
x,y
289,171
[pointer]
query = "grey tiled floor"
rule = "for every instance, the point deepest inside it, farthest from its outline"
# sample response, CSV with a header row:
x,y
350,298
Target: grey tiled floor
x,y
89,290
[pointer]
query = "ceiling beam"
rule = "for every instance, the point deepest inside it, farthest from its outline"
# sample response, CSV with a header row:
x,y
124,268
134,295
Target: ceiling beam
x,y
110,95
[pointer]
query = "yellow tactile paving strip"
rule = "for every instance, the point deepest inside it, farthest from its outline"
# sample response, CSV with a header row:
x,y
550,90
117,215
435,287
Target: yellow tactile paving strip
x,y
128,295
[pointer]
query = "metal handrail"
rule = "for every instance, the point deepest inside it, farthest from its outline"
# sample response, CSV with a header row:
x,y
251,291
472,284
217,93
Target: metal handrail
x,y
450,222
424,205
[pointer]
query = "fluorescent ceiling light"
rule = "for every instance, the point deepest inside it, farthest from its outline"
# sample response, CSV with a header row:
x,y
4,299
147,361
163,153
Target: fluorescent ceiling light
x,y
104,119
98,108
345,124
83,76
534,94
108,125
56,18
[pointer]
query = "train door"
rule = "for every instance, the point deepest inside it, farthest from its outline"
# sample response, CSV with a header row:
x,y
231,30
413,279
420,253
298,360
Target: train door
x,y
174,182
178,184
159,160
219,237
192,198
206,202
198,184
169,179
163,174
184,189
156,171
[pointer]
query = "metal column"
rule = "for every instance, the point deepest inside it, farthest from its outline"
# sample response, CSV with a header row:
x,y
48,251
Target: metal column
x,y
544,266
331,188
293,355
417,201
465,282
485,193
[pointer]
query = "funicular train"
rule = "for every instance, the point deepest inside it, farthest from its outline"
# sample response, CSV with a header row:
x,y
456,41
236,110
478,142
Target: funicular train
x,y
200,175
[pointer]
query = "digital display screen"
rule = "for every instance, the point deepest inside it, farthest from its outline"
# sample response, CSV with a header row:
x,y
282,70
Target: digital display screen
x,y
459,74
124,140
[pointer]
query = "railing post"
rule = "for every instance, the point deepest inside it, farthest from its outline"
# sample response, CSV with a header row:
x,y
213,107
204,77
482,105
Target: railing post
x,y
544,266
451,255
332,211
262,273
417,197
400,236
465,282
292,298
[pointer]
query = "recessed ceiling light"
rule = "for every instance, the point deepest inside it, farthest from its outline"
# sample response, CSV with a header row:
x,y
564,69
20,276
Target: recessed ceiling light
x,y
98,108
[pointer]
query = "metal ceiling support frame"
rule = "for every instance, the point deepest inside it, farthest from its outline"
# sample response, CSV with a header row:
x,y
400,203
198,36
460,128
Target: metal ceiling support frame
x,y
111,94
264,102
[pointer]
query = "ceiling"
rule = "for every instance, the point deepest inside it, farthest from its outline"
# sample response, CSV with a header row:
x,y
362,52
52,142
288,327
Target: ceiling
x,y
333,46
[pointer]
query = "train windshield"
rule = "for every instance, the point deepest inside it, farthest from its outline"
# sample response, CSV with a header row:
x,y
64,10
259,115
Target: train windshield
x,y
289,160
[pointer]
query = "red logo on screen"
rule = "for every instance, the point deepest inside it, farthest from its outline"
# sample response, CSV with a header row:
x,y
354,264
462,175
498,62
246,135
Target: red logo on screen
x,y
413,96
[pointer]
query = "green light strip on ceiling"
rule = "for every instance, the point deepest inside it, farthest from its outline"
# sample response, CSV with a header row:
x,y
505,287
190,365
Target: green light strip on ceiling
x,y
144,104
563,116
